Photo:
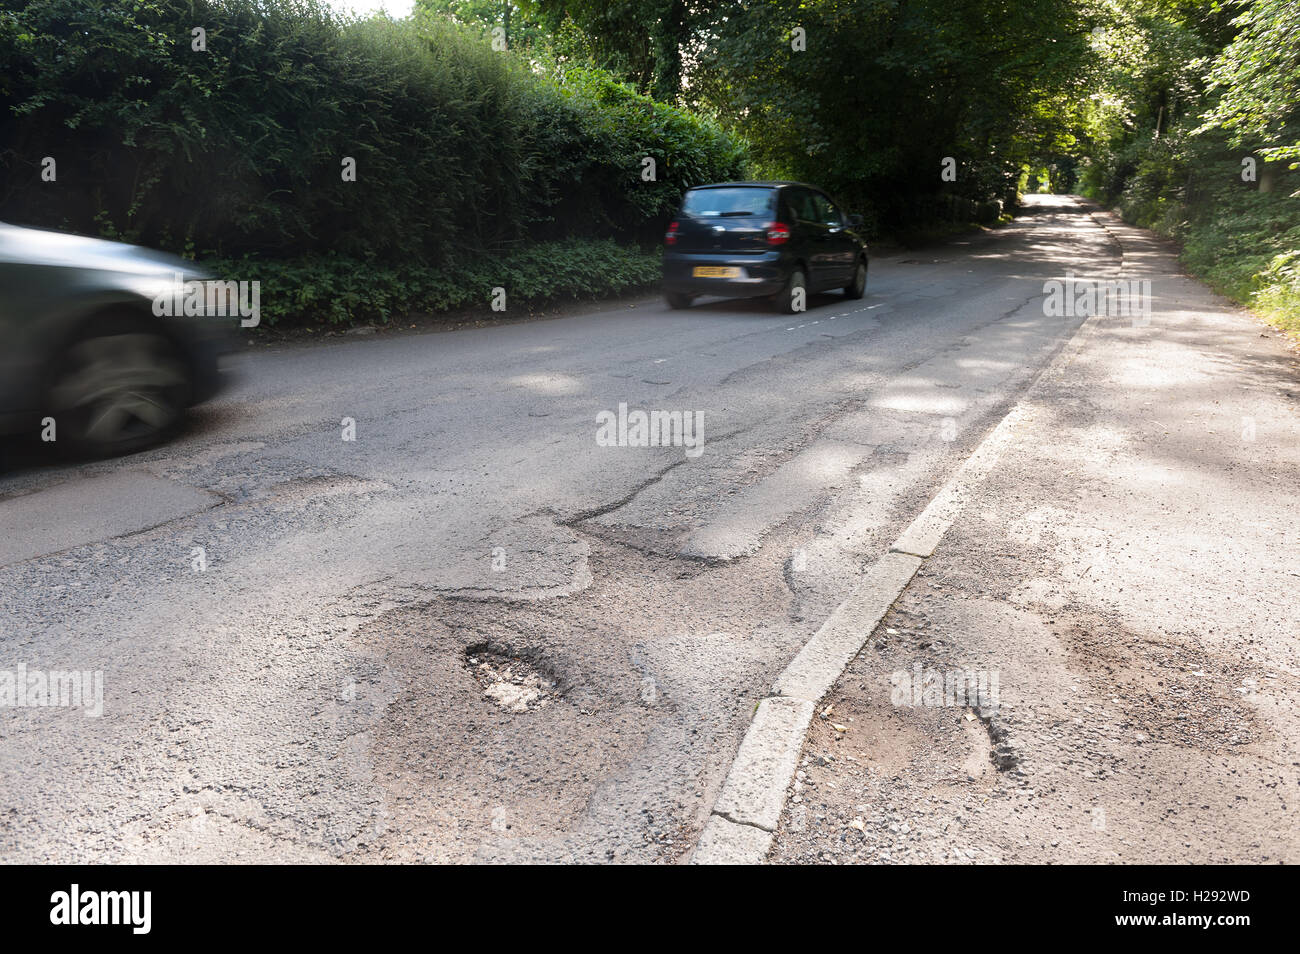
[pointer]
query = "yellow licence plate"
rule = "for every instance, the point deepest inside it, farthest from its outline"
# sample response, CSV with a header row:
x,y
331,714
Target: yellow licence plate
x,y
716,271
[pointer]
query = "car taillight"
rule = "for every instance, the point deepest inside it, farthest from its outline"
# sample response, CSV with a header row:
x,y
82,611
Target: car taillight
x,y
670,237
777,233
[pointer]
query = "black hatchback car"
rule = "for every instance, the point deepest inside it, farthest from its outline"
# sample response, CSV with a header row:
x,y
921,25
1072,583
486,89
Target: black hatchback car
x,y
785,240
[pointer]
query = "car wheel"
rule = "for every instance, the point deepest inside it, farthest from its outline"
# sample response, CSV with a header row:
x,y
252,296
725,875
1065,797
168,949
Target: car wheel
x,y
786,298
678,300
858,286
119,387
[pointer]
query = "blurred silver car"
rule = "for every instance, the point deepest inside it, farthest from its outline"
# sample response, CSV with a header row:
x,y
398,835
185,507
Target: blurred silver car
x,y
85,360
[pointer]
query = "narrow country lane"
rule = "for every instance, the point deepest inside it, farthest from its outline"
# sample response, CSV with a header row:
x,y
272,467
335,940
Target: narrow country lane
x,y
473,632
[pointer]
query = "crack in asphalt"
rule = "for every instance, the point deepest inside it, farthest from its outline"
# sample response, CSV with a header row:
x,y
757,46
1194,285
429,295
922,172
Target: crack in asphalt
x,y
748,824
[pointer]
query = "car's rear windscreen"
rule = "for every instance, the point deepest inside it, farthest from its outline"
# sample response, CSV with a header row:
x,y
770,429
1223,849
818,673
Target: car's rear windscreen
x,y
731,200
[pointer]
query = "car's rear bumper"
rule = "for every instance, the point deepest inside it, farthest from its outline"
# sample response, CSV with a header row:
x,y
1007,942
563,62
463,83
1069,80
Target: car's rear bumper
x,y
762,274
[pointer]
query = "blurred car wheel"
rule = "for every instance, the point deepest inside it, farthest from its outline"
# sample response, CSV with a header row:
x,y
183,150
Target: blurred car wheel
x,y
120,387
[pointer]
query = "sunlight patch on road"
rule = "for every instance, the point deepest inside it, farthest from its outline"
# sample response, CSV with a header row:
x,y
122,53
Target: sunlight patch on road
x,y
548,383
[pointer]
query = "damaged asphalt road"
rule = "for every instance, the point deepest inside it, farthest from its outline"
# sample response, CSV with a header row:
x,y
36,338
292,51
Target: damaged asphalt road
x,y
473,632
1124,580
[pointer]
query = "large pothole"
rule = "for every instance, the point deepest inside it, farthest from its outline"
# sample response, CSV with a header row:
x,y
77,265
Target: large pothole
x,y
514,681
641,673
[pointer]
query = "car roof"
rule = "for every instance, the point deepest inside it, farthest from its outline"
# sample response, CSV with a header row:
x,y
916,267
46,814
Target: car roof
x,y
765,184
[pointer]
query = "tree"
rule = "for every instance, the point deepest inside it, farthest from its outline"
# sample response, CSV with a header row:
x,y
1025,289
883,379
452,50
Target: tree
x,y
869,97
1257,79
641,41
521,30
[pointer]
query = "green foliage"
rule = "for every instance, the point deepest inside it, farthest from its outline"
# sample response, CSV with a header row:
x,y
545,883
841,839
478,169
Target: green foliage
x,y
1246,244
338,289
460,150
469,158
1257,80
626,127
1185,93
640,41
884,91
1277,292
1242,241
520,31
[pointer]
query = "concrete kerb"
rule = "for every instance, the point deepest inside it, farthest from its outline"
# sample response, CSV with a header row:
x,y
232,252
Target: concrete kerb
x,y
745,816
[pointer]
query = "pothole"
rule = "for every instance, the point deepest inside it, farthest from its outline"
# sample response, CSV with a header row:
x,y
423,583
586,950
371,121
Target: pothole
x,y
1004,754
513,681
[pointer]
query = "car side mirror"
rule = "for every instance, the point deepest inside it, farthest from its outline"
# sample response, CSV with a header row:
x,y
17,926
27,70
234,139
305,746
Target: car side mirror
x,y
855,221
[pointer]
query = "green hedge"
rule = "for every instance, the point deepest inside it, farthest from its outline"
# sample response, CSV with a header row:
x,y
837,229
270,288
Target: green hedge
x,y
338,289
460,150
